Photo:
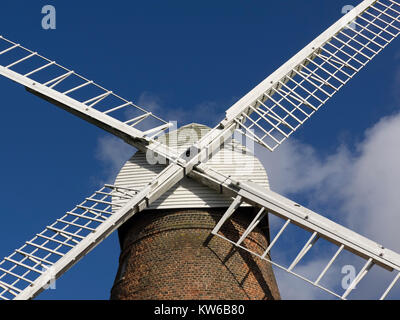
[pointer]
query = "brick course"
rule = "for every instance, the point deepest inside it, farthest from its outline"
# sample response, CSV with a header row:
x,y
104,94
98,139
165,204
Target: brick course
x,y
170,254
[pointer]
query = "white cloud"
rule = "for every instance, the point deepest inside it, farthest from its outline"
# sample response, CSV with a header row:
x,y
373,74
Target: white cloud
x,y
113,153
297,167
150,102
372,197
360,188
204,112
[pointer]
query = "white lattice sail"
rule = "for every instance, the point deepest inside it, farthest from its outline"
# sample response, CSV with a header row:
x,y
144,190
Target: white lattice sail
x,y
280,104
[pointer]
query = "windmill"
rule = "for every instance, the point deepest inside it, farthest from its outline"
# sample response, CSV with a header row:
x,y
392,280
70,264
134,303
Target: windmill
x,y
268,114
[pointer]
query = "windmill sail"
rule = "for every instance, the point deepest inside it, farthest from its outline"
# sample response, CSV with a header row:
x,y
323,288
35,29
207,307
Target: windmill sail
x,y
316,225
281,103
80,96
29,269
25,272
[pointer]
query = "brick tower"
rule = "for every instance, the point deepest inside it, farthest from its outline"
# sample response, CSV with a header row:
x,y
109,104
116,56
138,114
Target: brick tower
x,y
168,252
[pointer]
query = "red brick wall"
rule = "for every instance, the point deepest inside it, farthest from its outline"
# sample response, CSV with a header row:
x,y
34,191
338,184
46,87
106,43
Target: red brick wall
x,y
171,255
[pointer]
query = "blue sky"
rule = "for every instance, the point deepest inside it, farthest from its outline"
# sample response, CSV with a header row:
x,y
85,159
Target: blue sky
x,y
192,60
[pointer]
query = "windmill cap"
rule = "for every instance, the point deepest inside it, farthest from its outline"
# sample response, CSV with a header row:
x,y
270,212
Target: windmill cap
x,y
232,159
